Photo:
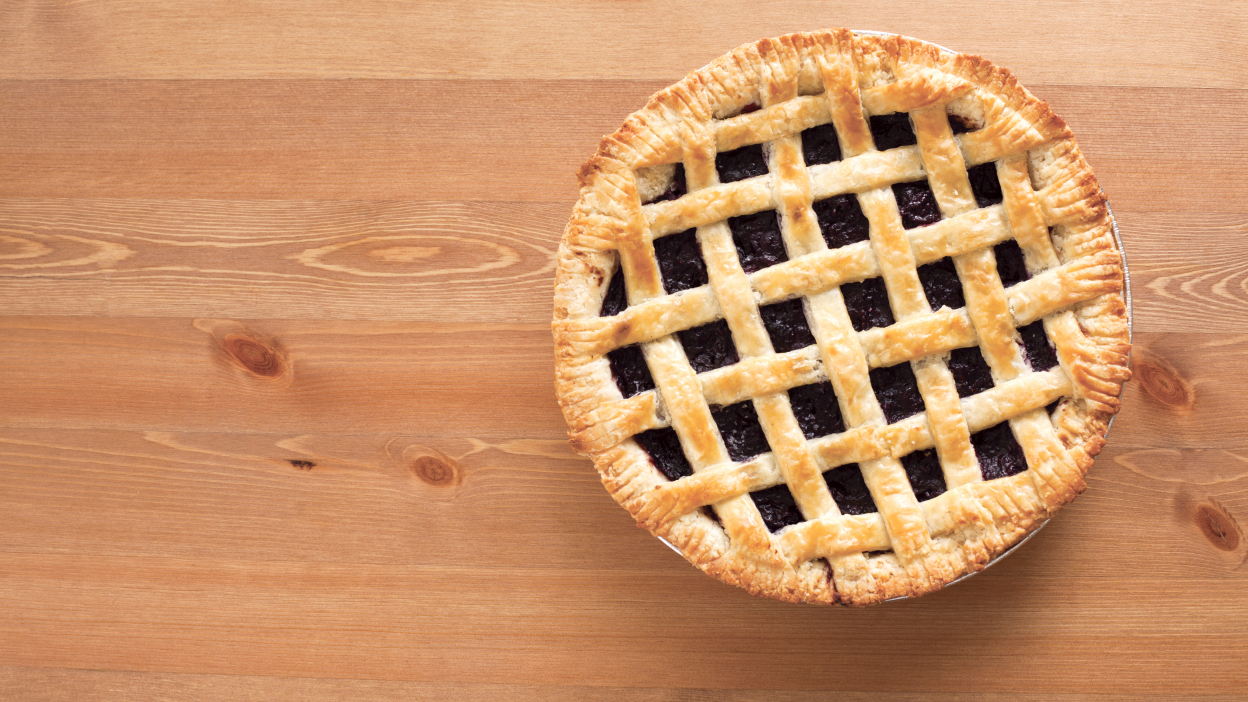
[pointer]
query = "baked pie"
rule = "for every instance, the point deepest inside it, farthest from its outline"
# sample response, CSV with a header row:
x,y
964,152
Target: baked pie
x,y
840,316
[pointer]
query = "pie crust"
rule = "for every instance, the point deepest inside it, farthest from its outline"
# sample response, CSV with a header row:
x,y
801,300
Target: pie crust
x,y
768,93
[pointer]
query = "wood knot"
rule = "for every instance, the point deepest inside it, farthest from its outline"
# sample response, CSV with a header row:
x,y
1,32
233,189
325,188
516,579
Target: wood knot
x,y
434,471
241,348
254,356
432,467
1163,382
1218,526
301,465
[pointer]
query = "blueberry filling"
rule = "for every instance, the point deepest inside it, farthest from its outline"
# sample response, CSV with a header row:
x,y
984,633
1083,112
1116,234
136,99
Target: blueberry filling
x,y
665,453
971,375
942,285
926,478
678,188
777,507
816,409
998,452
867,303
841,220
628,367
917,204
743,435
745,162
709,346
616,299
849,490
758,241
891,131
960,125
752,107
897,391
985,184
1010,265
680,261
1041,355
819,145
786,325
1049,408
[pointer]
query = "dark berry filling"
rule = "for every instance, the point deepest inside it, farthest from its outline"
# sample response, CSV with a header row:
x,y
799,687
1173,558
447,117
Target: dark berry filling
x,y
960,125
849,490
897,391
816,409
942,285
752,107
742,433
841,220
985,184
1041,355
758,241
678,188
745,162
819,145
998,452
891,131
867,303
709,346
628,367
777,507
665,453
786,325
680,261
971,375
616,299
1010,265
1049,408
926,478
917,204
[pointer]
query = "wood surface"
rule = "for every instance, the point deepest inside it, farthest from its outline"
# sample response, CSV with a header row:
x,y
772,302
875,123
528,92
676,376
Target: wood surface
x,y
276,407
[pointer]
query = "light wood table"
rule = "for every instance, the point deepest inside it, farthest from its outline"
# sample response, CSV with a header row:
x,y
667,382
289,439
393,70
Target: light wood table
x,y
276,406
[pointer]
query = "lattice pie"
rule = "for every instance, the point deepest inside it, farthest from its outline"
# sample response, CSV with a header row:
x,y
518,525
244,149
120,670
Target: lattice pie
x,y
840,316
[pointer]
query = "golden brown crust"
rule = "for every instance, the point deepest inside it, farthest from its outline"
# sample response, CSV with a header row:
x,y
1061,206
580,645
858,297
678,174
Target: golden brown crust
x,y
1052,206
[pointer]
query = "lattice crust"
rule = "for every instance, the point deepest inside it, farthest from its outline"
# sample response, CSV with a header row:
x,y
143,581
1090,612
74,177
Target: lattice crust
x,y
1050,205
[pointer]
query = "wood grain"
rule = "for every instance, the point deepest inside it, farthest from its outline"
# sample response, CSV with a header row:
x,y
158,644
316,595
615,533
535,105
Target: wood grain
x,y
494,139
274,375
277,415
41,684
306,376
1150,45
162,561
389,260
388,498
401,601
89,686
406,261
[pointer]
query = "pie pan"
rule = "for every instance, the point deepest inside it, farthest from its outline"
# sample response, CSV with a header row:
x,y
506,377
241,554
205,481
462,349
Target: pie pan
x,y
673,385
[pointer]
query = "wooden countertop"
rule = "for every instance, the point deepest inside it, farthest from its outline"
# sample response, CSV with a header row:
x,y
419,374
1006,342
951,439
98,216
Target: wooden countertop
x,y
276,405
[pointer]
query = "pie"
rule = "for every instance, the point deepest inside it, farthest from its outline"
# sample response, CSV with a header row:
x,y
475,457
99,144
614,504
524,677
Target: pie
x,y
840,316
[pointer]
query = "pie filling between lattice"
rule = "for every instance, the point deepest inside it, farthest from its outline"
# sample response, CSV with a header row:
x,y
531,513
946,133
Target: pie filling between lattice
x,y
865,328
